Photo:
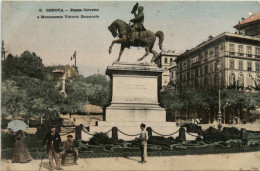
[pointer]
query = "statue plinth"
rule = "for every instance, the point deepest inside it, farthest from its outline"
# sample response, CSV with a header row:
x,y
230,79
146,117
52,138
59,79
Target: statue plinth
x,y
134,93
134,100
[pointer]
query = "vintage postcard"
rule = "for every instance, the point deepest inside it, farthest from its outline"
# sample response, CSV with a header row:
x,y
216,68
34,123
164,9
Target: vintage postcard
x,y
126,85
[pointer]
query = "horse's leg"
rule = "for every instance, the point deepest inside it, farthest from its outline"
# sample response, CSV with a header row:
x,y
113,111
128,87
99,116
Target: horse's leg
x,y
121,52
154,54
147,50
113,42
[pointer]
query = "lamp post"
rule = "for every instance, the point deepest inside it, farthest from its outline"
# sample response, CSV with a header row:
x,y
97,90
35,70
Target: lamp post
x,y
219,99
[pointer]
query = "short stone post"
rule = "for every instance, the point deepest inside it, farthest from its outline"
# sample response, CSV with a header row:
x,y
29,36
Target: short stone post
x,y
182,136
243,135
149,130
78,135
114,134
199,131
226,132
40,133
58,128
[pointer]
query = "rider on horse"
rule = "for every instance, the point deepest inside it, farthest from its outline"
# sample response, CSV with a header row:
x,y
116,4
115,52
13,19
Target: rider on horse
x,y
138,24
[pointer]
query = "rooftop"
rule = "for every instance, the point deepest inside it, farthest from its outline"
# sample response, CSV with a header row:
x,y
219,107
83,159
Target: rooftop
x,y
212,39
89,108
250,19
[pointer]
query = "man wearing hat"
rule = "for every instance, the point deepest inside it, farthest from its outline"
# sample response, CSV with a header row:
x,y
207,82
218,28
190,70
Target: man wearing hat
x,y
143,143
68,147
52,140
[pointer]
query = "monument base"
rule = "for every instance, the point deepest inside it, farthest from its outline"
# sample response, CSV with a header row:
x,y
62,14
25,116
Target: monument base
x,y
135,113
134,100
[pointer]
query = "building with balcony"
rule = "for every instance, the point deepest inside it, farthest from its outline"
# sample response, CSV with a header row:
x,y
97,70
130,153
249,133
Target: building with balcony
x,y
165,60
227,60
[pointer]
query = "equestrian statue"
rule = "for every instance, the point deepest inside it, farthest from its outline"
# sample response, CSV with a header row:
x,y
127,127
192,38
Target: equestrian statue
x,y
135,34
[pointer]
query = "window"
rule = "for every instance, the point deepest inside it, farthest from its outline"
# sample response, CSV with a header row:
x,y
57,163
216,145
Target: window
x,y
188,75
222,47
249,51
192,74
188,62
196,72
232,47
249,66
257,51
211,53
200,57
257,66
231,64
171,60
240,65
206,54
180,66
240,50
201,71
216,51
165,60
206,69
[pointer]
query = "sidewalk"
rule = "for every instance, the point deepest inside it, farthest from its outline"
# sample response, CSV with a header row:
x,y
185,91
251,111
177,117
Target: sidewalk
x,y
216,162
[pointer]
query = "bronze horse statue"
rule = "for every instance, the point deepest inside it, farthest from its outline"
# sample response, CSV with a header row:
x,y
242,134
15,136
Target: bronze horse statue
x,y
139,39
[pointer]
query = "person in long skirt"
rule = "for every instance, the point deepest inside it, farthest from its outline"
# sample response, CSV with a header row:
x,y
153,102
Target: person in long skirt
x,y
20,152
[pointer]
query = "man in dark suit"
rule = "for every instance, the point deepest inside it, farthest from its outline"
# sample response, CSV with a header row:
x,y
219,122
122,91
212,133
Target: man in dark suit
x,y
52,140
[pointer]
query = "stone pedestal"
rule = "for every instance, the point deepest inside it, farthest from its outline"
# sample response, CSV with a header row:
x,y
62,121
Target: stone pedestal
x,y
134,93
134,100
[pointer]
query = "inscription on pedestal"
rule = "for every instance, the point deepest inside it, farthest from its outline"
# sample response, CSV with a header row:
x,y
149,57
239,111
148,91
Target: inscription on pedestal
x,y
127,89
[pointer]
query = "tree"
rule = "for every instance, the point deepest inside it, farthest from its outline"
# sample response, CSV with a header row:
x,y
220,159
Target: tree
x,y
28,64
80,91
12,99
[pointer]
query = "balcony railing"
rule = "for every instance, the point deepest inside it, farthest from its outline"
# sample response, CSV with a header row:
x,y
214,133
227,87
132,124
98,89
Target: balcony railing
x,y
239,54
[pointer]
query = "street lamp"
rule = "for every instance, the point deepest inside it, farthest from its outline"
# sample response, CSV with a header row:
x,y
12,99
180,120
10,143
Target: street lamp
x,y
219,99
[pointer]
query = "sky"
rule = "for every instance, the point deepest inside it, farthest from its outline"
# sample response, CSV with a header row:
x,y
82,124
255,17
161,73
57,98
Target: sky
x,y
185,25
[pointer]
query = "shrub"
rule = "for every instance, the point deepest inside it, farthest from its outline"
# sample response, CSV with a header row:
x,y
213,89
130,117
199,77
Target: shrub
x,y
213,135
7,140
34,123
100,138
158,140
4,123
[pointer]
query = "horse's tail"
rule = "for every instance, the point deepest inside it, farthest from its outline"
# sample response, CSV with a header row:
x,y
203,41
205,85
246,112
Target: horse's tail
x,y
160,35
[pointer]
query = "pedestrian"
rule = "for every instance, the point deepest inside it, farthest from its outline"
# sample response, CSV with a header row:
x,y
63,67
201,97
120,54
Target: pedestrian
x,y
68,147
20,152
52,140
143,143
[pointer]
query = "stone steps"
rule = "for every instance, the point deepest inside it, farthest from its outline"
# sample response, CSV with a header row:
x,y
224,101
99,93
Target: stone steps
x,y
135,124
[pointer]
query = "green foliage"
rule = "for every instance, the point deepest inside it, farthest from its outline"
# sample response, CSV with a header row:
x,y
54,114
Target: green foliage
x,y
213,135
26,92
7,140
12,98
93,89
28,64
100,138
204,104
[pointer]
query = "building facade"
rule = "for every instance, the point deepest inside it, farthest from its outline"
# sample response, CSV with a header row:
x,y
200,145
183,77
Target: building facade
x,y
173,78
165,60
228,60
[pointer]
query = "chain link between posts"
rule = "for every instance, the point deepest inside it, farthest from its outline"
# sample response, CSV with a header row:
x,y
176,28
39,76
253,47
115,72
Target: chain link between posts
x,y
191,134
68,132
127,134
93,134
163,134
